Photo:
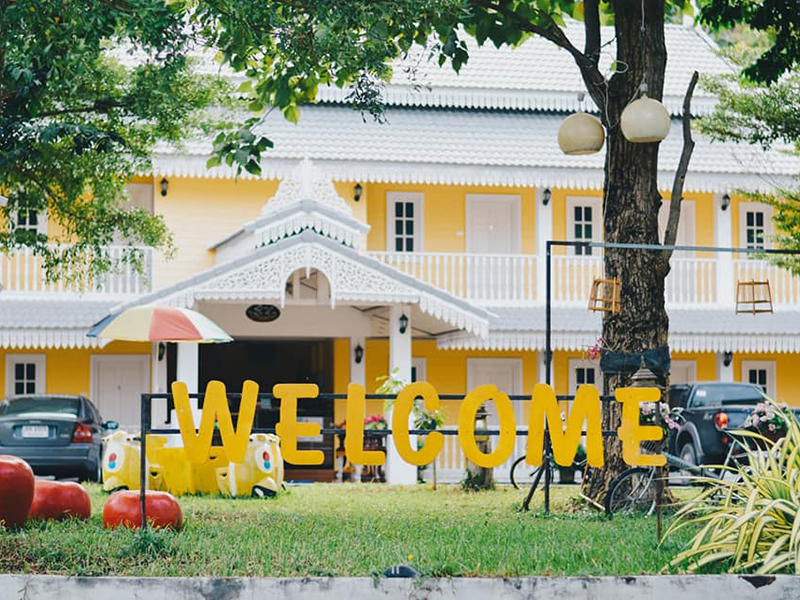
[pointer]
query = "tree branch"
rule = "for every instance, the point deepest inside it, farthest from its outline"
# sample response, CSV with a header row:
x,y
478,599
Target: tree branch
x,y
671,233
591,23
591,74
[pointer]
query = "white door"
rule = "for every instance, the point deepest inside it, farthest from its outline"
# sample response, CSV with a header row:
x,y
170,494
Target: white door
x,y
683,371
493,224
117,385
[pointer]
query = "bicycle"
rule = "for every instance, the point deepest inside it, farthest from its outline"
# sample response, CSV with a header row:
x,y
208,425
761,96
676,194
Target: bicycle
x,y
523,475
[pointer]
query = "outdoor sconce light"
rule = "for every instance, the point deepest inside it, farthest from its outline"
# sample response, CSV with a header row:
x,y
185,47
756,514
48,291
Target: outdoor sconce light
x,y
162,348
357,192
727,359
164,185
580,133
546,194
726,201
403,323
645,120
359,354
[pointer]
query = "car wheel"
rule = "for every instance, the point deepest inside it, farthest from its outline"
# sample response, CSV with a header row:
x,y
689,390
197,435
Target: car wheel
x,y
94,473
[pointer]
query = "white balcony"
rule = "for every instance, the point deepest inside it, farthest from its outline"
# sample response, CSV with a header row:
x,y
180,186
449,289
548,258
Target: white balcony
x,y
508,279
22,272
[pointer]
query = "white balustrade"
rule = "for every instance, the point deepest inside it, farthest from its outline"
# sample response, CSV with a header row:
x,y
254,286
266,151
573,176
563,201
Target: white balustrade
x,y
23,271
784,286
484,278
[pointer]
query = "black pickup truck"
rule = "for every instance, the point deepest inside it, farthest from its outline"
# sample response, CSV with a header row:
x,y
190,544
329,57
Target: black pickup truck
x,y
710,410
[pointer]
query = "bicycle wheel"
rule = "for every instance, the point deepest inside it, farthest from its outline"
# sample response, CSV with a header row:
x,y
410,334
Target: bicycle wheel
x,y
632,491
522,474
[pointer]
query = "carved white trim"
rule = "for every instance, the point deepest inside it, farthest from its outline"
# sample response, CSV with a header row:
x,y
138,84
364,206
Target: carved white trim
x,y
306,182
350,281
47,338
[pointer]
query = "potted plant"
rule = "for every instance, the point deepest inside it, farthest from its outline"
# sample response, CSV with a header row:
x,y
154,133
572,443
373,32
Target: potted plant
x,y
768,419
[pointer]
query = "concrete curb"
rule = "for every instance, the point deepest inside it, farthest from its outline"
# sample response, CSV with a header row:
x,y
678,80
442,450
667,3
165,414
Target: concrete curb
x,y
685,587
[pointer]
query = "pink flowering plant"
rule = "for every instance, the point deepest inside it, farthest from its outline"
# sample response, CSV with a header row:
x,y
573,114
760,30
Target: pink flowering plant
x,y
768,418
375,422
594,352
647,416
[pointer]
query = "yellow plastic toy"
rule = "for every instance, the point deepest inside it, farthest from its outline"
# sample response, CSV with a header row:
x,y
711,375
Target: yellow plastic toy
x,y
261,473
121,462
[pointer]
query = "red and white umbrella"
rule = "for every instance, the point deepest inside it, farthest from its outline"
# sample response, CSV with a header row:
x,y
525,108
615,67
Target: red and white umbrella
x,y
159,324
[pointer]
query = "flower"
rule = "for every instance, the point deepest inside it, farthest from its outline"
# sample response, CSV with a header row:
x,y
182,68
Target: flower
x,y
410,557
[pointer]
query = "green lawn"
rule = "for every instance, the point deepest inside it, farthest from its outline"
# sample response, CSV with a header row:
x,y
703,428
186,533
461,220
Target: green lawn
x,y
355,530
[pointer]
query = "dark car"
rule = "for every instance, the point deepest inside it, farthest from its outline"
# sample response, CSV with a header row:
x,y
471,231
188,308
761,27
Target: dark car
x,y
57,435
711,410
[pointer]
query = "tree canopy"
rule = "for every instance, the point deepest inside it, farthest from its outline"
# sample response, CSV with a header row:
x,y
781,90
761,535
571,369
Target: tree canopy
x,y
76,125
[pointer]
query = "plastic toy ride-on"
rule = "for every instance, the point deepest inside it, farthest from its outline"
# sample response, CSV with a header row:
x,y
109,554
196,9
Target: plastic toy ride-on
x,y
121,464
261,473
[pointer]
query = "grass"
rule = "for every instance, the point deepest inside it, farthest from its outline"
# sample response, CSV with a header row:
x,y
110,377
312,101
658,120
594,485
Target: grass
x,y
350,530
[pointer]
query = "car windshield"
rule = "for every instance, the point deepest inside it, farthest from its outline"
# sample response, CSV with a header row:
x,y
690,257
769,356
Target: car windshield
x,y
717,395
59,406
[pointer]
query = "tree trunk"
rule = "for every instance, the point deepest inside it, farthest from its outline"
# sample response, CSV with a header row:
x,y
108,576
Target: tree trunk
x,y
631,201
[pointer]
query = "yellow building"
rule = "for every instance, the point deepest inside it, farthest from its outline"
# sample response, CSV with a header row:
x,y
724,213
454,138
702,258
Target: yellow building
x,y
417,245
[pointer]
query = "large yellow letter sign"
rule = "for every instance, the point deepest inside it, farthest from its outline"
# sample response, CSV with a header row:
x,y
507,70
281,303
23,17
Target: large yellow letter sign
x,y
288,429
354,439
631,433
400,413
215,408
466,426
586,406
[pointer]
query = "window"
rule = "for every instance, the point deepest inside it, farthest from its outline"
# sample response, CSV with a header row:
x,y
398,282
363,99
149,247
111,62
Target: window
x,y
25,374
418,369
404,221
686,225
584,372
30,220
760,373
584,222
755,225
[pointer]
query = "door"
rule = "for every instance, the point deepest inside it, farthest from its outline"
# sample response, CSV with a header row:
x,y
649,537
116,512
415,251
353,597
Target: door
x,y
117,385
493,227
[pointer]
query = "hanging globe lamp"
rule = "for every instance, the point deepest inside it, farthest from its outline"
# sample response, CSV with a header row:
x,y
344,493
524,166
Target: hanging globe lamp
x,y
645,120
581,133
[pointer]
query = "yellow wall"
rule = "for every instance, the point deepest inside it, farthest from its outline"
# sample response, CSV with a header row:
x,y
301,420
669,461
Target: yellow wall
x,y
68,371
787,374
444,214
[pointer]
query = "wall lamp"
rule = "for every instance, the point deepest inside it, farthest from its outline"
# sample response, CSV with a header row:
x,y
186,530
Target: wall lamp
x,y
403,323
726,201
357,192
546,194
164,186
359,354
727,359
162,349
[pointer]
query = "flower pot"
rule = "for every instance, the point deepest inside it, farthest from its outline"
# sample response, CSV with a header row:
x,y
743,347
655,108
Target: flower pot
x,y
566,475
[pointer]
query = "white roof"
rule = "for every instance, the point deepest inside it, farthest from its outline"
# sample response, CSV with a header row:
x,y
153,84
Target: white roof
x,y
26,323
474,147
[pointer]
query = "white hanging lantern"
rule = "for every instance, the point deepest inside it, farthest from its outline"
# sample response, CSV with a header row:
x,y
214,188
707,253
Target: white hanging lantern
x,y
581,133
644,121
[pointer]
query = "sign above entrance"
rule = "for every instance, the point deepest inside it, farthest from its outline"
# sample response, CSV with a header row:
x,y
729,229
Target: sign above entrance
x,y
262,313
543,407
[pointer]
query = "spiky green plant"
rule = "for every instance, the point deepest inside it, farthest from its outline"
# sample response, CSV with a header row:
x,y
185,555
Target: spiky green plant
x,y
750,521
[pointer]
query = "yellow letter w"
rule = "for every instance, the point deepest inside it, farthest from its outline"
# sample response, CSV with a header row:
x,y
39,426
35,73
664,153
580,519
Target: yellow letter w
x,y
565,443
198,444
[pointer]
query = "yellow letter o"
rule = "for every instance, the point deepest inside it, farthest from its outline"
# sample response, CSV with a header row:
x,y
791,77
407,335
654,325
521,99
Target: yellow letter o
x,y
466,426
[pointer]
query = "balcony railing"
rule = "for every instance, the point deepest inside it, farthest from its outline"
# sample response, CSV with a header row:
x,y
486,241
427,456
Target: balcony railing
x,y
497,279
22,271
484,278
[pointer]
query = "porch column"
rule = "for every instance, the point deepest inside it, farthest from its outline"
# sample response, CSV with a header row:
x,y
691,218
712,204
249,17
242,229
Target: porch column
x,y
724,373
544,232
358,373
397,470
158,369
723,236
188,368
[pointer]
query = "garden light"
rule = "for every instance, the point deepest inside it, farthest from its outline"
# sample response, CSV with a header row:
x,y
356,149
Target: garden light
x,y
580,133
645,120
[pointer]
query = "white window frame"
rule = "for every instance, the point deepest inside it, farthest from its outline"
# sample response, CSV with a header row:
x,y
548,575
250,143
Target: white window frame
x,y
516,204
145,190
41,222
583,363
596,205
692,364
744,208
768,366
687,218
418,199
40,360
420,364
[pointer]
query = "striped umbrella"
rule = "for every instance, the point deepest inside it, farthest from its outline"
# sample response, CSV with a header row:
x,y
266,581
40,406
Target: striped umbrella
x,y
158,324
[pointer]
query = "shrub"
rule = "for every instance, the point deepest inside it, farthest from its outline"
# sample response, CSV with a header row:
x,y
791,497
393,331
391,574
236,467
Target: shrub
x,y
750,521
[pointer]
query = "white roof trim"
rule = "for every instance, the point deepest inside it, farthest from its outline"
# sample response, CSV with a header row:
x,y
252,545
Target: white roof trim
x,y
478,175
47,338
573,341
